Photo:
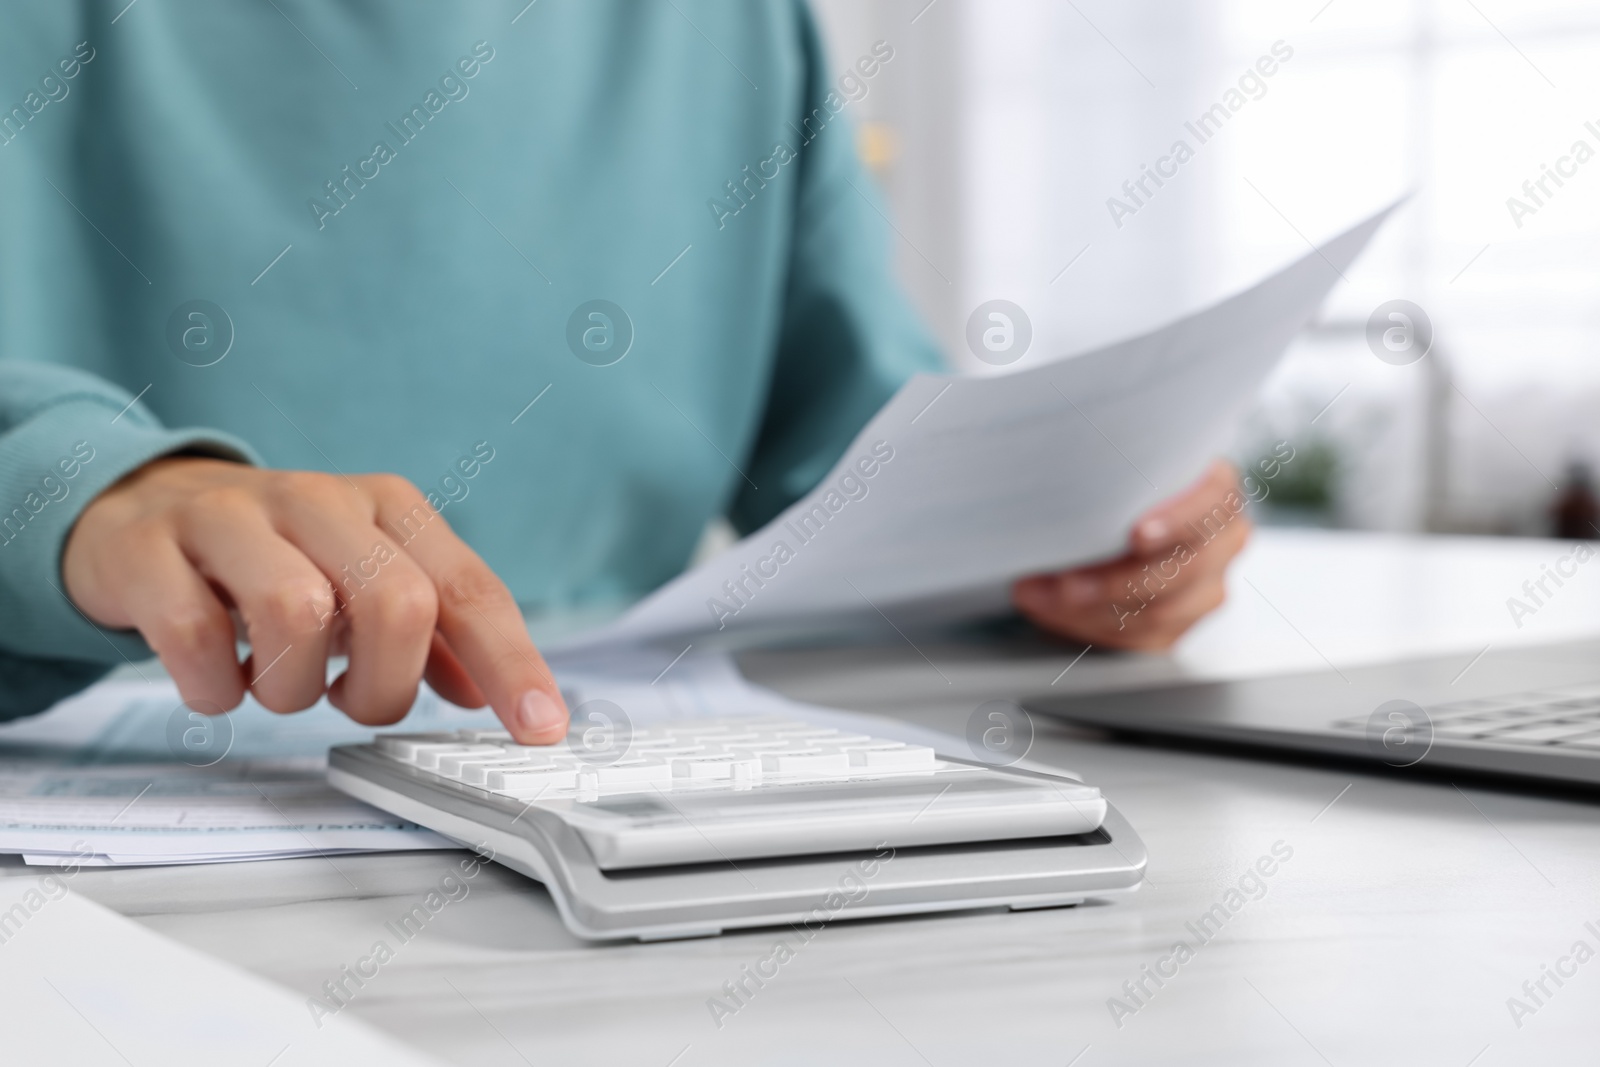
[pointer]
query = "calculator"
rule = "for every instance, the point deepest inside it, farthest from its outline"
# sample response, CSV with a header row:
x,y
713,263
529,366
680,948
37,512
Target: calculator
x,y
697,826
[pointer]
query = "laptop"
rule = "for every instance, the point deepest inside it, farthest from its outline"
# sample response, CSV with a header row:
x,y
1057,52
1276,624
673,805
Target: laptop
x,y
1530,712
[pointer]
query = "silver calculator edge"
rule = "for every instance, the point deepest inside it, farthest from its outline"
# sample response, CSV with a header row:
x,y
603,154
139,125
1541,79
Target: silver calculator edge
x,y
703,899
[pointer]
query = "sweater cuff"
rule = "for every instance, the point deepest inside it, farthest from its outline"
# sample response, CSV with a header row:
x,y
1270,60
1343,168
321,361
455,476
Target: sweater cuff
x,y
54,465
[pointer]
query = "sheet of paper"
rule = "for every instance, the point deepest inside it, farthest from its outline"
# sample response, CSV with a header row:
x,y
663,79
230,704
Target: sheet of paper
x,y
123,773
959,485
83,985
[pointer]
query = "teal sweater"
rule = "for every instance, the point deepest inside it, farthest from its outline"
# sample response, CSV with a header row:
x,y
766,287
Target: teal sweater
x,y
591,273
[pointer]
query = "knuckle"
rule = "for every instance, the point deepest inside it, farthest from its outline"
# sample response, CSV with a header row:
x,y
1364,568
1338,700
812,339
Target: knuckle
x,y
410,519
105,552
472,590
320,491
221,500
145,536
188,629
293,607
393,487
399,603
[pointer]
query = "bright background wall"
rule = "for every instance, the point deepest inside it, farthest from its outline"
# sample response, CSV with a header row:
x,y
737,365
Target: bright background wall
x,y
1001,127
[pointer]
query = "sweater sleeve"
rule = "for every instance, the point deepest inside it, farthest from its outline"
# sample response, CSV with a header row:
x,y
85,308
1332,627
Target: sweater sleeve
x,y
65,436
848,337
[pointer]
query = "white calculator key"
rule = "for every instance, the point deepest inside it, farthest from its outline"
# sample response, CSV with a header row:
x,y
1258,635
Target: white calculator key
x,y
478,773
477,736
633,772
554,753
450,764
454,764
766,744
890,756
531,781
428,756
828,737
814,761
404,746
724,737
712,767
804,744
670,750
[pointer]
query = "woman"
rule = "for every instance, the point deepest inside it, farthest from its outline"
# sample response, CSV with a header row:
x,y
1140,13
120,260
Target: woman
x,y
580,276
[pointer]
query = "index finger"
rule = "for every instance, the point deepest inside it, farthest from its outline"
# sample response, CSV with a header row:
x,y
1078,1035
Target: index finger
x,y
1174,521
478,618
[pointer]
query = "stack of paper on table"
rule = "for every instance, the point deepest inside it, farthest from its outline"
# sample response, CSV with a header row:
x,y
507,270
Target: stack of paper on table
x,y
113,776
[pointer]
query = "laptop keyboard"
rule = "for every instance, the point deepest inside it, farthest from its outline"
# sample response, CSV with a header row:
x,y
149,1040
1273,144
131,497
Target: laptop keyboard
x,y
1560,718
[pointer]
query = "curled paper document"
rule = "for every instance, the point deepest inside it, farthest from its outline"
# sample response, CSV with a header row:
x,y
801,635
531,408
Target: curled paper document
x,y
959,485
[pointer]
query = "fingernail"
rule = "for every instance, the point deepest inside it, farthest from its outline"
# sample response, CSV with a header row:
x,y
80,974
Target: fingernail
x,y
538,714
1153,530
1080,589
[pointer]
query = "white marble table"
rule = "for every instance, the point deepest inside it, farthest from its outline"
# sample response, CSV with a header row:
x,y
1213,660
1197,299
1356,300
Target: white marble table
x,y
1406,916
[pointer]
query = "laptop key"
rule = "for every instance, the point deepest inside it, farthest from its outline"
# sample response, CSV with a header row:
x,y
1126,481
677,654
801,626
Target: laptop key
x,y
1542,734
